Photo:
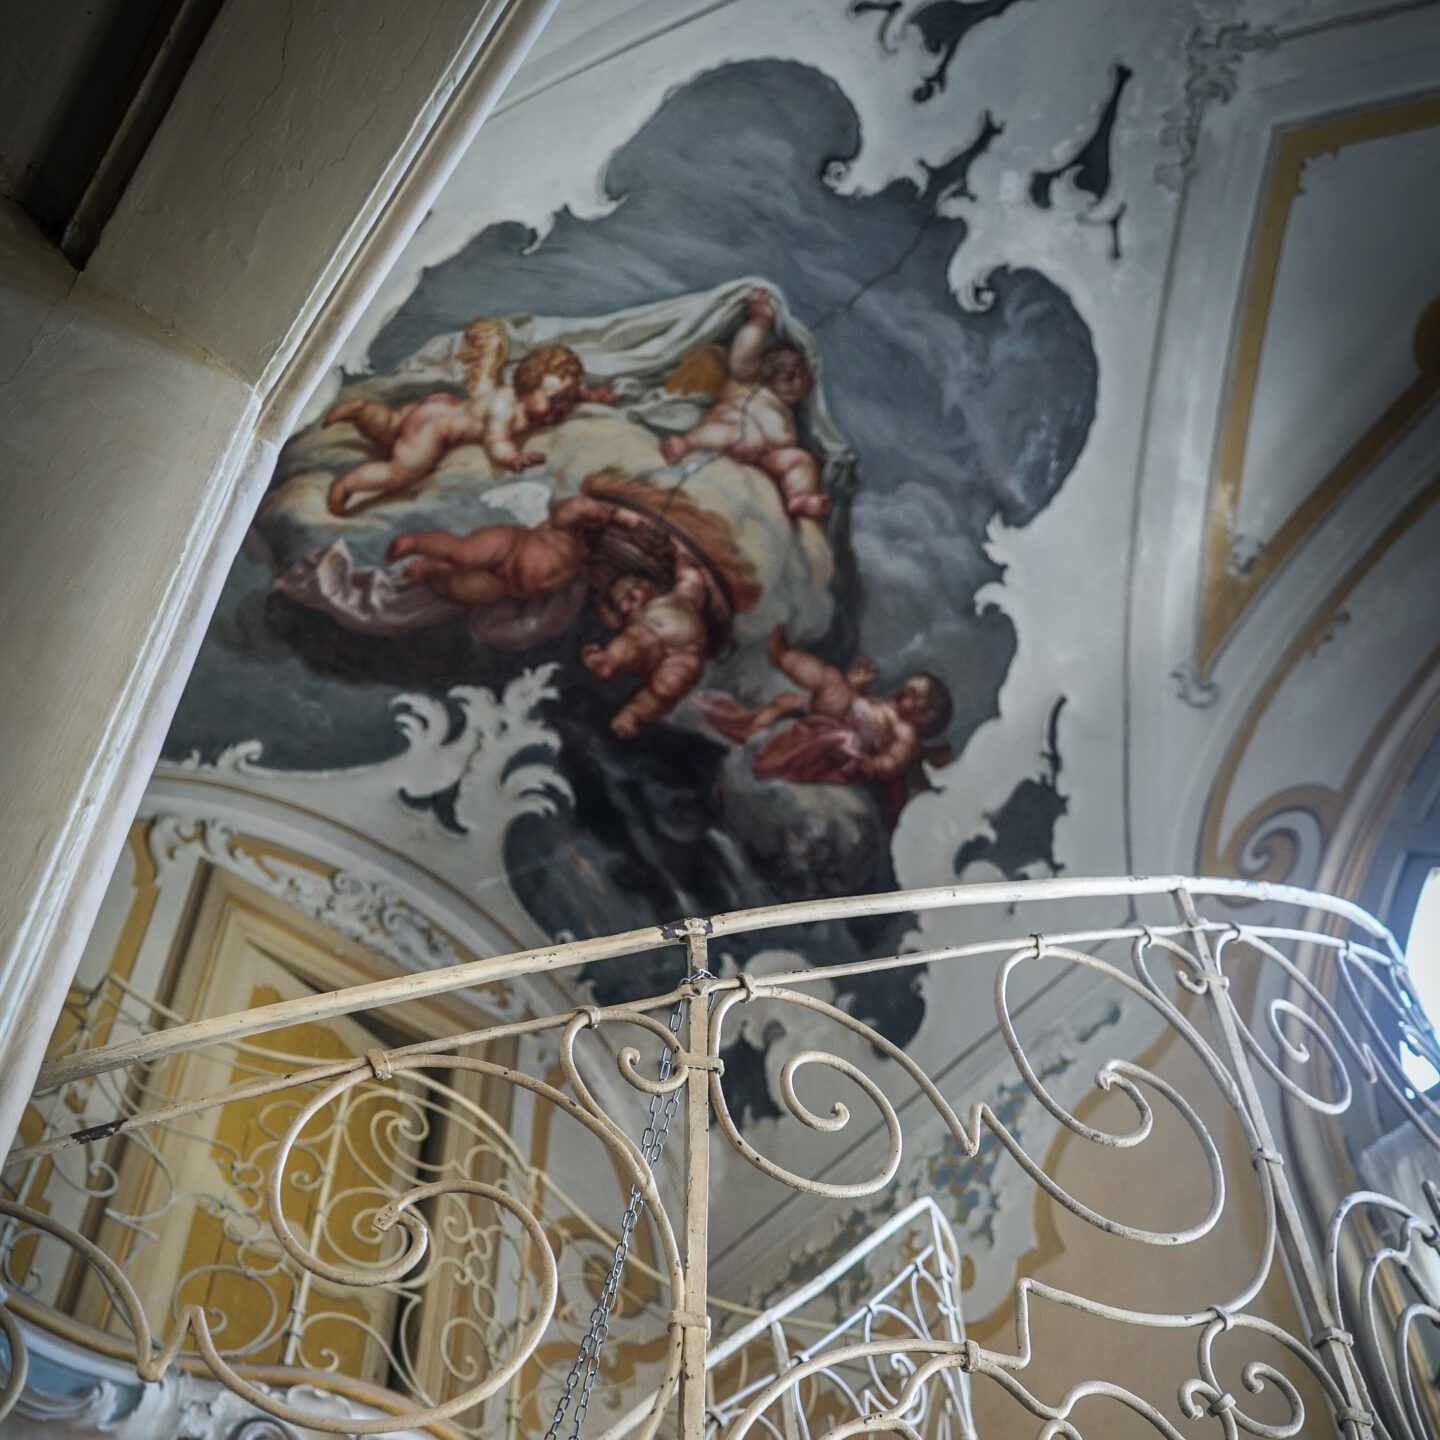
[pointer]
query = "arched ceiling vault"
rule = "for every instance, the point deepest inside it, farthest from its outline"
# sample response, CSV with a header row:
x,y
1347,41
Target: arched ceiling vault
x,y
1095,529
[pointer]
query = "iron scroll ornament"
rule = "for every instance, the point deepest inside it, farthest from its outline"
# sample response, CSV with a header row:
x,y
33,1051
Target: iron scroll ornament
x,y
1297,1042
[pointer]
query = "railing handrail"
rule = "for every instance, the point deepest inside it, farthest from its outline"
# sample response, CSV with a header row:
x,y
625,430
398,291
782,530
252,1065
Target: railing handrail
x,y
1308,1025
570,954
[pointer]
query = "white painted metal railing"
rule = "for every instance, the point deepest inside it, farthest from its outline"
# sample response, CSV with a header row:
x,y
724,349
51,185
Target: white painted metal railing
x,y
920,1297
1328,1015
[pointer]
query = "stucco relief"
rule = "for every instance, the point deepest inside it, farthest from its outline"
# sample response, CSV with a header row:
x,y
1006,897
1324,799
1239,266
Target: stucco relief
x,y
1214,52
364,908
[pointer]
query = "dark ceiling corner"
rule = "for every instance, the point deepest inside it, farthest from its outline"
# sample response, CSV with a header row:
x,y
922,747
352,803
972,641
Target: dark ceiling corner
x,y
84,85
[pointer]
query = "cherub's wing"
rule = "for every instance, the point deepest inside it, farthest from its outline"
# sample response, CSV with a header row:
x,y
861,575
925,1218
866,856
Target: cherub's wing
x,y
483,354
701,371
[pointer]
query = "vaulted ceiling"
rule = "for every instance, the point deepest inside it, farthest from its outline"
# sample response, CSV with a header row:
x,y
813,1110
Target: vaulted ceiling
x,y
1120,321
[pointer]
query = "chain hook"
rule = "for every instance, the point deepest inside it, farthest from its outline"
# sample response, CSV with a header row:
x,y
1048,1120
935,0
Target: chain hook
x,y
580,1380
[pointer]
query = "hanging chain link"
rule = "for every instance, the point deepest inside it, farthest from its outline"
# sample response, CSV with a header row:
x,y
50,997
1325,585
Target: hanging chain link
x,y
581,1379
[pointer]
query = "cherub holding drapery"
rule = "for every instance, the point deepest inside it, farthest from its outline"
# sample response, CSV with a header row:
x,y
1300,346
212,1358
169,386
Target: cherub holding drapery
x,y
838,733
754,419
663,632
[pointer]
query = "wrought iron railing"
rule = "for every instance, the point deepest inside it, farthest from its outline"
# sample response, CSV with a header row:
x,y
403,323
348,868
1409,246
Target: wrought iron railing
x,y
1299,1017
807,1381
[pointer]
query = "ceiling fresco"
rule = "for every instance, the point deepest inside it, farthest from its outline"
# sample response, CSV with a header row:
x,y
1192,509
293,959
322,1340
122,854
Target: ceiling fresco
x,y
742,531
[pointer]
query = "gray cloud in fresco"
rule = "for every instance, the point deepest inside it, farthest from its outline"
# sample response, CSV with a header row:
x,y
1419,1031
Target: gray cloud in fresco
x,y
956,417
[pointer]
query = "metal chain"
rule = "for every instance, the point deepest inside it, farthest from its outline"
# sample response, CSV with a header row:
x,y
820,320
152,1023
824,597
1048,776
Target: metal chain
x,y
652,1144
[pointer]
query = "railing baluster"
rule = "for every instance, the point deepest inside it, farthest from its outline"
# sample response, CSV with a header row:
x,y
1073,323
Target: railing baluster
x,y
915,1372
694,1326
1305,1278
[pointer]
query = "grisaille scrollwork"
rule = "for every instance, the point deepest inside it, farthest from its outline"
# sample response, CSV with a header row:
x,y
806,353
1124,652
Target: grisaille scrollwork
x,y
374,1198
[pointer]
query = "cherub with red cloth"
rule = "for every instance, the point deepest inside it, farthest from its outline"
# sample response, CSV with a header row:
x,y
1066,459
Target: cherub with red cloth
x,y
841,733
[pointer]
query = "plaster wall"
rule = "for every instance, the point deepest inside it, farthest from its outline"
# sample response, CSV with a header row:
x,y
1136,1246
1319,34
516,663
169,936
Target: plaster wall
x,y
284,142
66,77
1144,732
1142,737
138,399
118,450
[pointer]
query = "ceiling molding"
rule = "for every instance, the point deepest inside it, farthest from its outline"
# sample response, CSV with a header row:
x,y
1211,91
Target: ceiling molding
x,y
1227,590
1222,855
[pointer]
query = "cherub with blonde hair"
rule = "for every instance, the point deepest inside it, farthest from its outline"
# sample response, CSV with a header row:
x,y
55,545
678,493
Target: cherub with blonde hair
x,y
754,418
546,385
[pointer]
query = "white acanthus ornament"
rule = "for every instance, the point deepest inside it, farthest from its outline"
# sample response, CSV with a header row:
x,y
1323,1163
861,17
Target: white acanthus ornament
x,y
414,850
1213,53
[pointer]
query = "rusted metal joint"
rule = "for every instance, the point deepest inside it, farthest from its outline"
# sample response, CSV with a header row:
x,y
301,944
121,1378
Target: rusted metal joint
x,y
691,1061
379,1062
690,1320
693,927
92,1133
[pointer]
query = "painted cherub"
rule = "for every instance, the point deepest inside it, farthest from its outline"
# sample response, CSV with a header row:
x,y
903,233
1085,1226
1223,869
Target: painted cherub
x,y
754,418
546,386
841,733
514,562
662,637
662,633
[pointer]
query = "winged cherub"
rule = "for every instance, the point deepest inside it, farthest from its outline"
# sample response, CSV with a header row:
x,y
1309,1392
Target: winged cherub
x,y
661,633
841,733
754,418
660,636
547,384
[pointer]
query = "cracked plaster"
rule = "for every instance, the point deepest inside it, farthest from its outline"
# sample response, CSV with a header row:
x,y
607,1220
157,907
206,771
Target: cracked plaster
x,y
283,131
